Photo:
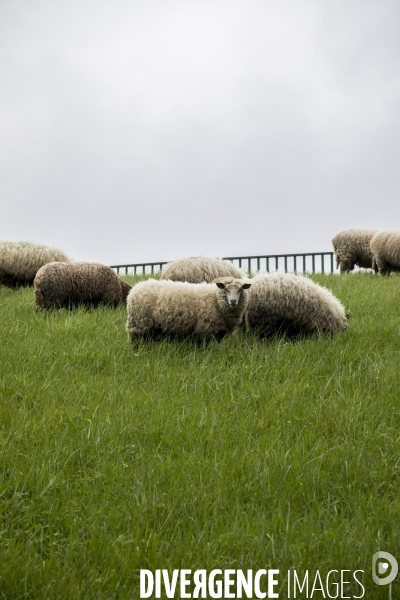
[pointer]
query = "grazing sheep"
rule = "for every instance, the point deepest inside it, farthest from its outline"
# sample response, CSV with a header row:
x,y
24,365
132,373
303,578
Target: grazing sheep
x,y
385,247
292,304
61,284
352,247
20,261
362,271
157,308
197,269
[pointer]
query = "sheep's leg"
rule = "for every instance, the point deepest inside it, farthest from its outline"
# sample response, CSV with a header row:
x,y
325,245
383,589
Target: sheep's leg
x,y
384,267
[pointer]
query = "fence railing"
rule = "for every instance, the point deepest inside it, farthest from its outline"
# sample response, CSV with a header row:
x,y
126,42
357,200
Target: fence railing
x,y
139,268
309,262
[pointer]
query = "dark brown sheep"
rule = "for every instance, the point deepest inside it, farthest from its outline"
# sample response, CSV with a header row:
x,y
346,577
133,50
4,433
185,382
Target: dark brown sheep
x,y
60,284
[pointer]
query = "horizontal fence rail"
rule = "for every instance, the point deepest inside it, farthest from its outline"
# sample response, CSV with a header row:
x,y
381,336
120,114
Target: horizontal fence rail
x,y
309,262
139,268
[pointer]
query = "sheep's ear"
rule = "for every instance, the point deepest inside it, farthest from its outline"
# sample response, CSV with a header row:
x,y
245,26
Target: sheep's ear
x,y
220,285
246,286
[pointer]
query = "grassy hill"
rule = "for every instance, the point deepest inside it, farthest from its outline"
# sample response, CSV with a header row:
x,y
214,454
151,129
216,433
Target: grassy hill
x,y
245,454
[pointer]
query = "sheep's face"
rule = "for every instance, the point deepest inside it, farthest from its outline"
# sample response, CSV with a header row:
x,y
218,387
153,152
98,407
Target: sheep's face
x,y
233,291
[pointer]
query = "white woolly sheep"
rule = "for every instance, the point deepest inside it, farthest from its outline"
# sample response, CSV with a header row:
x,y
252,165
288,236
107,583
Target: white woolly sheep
x,y
158,308
385,247
20,261
293,305
197,269
61,284
362,271
352,247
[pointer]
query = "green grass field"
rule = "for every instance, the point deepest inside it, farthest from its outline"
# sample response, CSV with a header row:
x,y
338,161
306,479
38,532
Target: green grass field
x,y
245,454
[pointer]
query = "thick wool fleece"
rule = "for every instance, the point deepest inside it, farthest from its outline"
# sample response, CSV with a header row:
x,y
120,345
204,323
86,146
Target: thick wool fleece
x,y
197,269
352,247
61,284
385,247
292,304
182,309
363,271
20,261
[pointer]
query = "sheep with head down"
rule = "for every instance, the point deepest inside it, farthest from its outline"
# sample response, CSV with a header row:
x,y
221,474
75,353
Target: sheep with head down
x,y
60,284
182,309
363,271
352,247
385,247
197,269
293,305
20,261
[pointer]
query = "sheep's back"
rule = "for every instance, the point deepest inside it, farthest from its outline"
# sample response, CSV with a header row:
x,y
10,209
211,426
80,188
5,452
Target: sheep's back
x,y
60,282
386,245
176,307
199,269
293,303
355,241
22,260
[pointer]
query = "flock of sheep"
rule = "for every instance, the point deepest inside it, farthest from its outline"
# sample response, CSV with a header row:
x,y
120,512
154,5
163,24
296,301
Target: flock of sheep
x,y
372,250
198,296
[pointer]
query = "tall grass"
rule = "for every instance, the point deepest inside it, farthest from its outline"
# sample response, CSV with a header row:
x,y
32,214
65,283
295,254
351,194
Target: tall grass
x,y
245,454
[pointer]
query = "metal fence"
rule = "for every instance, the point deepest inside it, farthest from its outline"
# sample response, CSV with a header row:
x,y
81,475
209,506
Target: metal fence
x,y
309,262
139,268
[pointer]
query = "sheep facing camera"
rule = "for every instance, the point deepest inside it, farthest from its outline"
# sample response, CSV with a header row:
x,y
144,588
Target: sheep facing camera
x,y
384,568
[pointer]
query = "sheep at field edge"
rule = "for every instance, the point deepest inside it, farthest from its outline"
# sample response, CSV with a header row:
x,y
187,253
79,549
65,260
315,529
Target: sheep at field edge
x,y
20,261
352,247
385,247
62,284
292,304
197,269
158,308
363,271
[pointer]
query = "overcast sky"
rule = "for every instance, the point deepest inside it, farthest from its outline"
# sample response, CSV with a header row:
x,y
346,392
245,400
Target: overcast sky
x,y
140,130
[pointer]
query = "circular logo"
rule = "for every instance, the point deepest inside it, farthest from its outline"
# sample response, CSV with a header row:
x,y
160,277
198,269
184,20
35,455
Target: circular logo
x,y
386,560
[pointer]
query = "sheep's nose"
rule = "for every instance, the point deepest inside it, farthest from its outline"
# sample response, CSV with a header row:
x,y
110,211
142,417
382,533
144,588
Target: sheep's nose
x,y
233,302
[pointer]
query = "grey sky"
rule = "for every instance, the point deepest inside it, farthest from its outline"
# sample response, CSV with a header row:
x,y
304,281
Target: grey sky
x,y
149,130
